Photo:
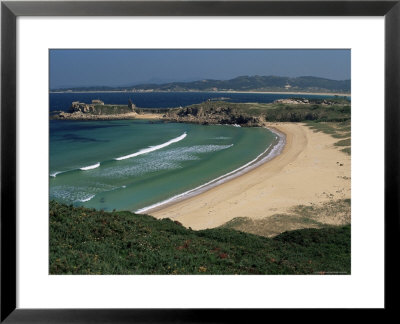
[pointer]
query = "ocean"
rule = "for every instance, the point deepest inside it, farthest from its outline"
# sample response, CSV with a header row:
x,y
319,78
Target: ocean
x,y
138,164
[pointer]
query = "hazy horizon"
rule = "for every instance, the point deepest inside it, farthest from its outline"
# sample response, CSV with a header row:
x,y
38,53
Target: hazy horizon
x,y
123,67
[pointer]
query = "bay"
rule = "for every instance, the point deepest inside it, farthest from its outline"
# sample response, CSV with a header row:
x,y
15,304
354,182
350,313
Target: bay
x,y
131,164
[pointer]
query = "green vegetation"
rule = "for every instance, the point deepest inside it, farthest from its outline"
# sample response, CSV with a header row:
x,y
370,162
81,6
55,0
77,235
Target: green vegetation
x,y
336,130
311,112
345,142
87,241
346,150
338,110
253,114
111,109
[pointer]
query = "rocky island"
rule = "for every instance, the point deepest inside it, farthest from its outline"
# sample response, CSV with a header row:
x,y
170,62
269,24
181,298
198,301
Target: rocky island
x,y
98,110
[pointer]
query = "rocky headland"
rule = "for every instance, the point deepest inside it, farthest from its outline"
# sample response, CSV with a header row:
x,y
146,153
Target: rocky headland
x,y
210,113
219,112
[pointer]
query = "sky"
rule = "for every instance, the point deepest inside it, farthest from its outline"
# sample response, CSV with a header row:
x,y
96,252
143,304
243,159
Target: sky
x,y
125,67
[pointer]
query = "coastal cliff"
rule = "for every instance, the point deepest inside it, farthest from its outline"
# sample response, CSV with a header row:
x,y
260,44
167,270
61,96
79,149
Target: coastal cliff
x,y
213,113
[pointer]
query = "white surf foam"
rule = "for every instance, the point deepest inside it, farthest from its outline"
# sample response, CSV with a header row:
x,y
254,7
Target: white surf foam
x,y
54,174
265,156
87,198
90,167
167,159
152,148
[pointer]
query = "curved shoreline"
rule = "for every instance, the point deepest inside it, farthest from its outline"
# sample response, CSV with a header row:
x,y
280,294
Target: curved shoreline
x,y
310,171
271,152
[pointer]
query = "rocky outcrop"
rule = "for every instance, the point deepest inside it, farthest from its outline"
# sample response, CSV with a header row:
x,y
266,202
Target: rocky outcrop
x,y
303,101
292,101
97,107
83,108
97,110
211,114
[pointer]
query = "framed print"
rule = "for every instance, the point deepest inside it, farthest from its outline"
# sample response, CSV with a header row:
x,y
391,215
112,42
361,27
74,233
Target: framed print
x,y
160,158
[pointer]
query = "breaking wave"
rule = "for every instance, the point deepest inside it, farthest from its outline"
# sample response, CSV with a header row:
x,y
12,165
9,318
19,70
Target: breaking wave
x,y
152,148
54,174
90,167
86,198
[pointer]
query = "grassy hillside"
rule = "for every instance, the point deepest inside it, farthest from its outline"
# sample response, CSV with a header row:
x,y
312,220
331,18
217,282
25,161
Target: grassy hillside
x,y
86,241
251,114
312,112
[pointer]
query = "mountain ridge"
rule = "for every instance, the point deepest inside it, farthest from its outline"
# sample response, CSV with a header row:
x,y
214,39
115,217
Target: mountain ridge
x,y
243,83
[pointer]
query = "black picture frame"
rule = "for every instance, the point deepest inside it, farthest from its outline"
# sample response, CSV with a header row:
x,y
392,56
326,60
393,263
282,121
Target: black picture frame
x,y
10,10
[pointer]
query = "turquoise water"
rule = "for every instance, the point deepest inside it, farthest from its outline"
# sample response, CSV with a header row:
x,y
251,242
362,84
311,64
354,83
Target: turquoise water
x,y
131,164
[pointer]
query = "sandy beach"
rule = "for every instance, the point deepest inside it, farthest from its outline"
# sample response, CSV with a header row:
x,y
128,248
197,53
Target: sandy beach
x,y
148,116
310,170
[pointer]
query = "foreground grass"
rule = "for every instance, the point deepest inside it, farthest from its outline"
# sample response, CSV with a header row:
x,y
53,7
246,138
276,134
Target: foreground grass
x,y
87,241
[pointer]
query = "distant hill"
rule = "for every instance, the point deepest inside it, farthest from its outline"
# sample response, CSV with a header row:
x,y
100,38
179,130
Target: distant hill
x,y
241,83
